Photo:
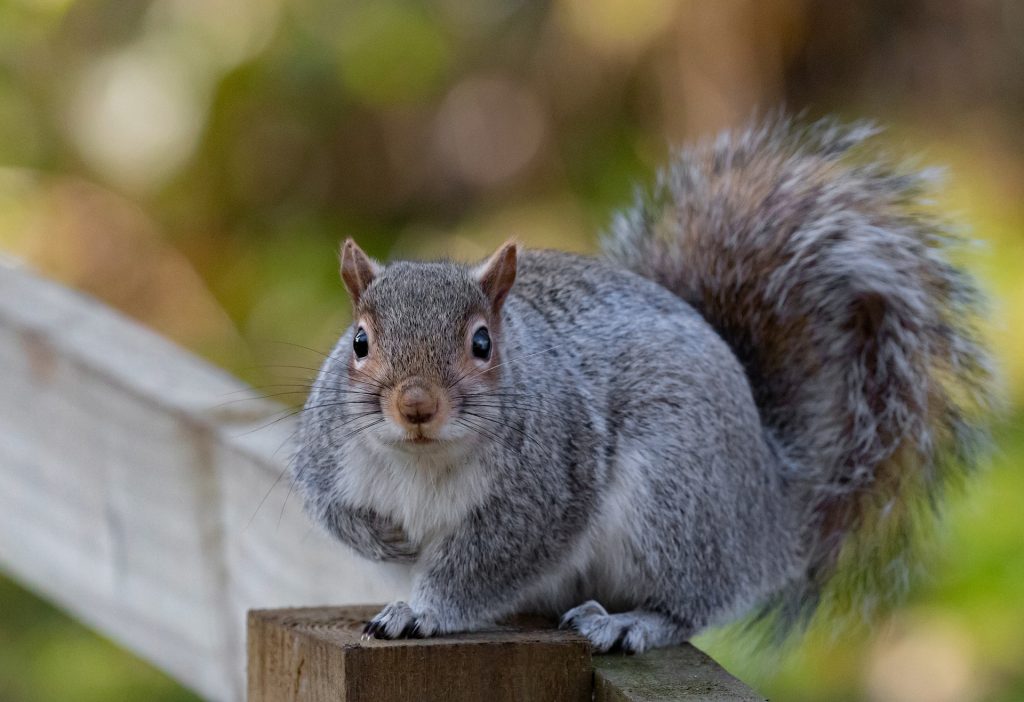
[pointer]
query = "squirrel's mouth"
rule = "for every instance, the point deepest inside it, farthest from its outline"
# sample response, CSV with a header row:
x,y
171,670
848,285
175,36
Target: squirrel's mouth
x,y
419,445
418,439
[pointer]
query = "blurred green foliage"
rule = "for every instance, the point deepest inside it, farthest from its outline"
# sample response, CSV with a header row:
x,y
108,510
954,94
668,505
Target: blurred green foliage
x,y
46,656
195,163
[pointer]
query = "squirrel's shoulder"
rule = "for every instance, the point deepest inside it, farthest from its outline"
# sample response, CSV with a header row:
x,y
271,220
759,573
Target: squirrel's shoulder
x,y
541,270
580,281
533,263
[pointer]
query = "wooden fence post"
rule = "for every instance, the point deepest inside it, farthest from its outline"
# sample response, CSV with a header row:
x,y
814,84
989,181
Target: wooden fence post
x,y
316,655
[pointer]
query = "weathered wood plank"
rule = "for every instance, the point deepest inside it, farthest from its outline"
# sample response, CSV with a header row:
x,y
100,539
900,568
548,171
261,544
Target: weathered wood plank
x,y
316,655
681,673
130,489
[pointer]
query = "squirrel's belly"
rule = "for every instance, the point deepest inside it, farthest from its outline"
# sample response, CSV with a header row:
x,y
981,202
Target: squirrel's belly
x,y
605,564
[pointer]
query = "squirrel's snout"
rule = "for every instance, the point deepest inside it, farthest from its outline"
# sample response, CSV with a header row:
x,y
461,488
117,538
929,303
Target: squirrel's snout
x,y
417,404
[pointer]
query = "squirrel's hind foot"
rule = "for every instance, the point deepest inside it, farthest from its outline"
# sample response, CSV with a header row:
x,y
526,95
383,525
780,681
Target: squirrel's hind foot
x,y
627,632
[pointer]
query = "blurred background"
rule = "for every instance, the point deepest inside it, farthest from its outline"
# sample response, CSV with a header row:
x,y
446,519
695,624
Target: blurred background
x,y
194,163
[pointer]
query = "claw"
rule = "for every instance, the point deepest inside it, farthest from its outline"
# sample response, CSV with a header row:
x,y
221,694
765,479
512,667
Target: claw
x,y
566,622
373,630
618,645
398,621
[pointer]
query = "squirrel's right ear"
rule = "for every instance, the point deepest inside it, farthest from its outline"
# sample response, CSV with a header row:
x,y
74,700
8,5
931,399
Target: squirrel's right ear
x,y
357,269
497,274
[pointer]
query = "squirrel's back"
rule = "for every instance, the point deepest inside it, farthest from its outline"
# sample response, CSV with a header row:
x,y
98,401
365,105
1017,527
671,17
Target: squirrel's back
x,y
822,265
566,289
614,323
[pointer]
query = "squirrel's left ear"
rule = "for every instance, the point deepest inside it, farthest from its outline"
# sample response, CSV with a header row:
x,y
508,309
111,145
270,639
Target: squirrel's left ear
x,y
357,269
497,274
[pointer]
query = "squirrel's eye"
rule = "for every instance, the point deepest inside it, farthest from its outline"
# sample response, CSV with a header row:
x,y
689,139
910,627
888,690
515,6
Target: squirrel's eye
x,y
361,343
482,343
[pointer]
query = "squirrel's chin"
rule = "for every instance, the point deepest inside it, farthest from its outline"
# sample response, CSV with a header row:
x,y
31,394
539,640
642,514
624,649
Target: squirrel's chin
x,y
421,444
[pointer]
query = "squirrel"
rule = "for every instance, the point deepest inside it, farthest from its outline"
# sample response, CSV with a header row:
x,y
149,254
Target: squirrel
x,y
760,388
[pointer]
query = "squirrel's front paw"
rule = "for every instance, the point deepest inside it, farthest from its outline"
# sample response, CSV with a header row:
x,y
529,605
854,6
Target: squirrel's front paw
x,y
399,621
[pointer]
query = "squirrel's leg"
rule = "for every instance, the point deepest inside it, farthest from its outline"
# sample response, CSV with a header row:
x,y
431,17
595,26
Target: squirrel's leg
x,y
628,632
442,604
369,533
475,575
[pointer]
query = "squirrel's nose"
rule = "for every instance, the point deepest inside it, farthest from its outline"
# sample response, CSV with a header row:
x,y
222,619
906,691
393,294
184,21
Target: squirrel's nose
x,y
417,405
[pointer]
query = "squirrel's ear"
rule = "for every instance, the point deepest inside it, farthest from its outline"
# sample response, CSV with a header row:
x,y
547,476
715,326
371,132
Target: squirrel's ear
x,y
497,274
357,269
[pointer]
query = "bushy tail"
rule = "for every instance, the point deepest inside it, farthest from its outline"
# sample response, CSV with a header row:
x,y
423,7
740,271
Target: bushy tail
x,y
822,266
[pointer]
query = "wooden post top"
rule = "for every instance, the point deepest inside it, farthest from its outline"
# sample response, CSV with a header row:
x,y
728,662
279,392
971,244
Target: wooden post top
x,y
314,654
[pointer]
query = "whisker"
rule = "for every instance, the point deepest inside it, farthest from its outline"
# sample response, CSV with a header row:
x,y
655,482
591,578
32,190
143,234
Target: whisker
x,y
261,397
286,366
509,405
350,393
265,496
287,469
268,387
348,420
297,412
503,393
510,402
298,346
505,425
342,374
280,515
467,376
489,433
378,382
359,376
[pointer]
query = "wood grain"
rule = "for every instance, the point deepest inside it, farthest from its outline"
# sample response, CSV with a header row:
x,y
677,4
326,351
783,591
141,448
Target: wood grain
x,y
678,673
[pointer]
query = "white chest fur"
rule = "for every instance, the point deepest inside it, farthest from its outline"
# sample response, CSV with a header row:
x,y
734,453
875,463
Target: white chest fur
x,y
428,494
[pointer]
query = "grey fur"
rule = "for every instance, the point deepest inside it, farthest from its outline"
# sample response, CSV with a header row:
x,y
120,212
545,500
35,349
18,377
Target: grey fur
x,y
626,452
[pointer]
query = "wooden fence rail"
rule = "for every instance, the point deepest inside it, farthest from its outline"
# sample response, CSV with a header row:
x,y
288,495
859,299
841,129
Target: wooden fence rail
x,y
132,485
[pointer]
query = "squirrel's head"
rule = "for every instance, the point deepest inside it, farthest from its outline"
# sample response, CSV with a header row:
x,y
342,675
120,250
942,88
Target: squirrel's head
x,y
425,345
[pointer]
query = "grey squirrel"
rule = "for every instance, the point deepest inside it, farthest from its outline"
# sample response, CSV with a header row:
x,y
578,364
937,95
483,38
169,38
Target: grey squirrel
x,y
761,387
